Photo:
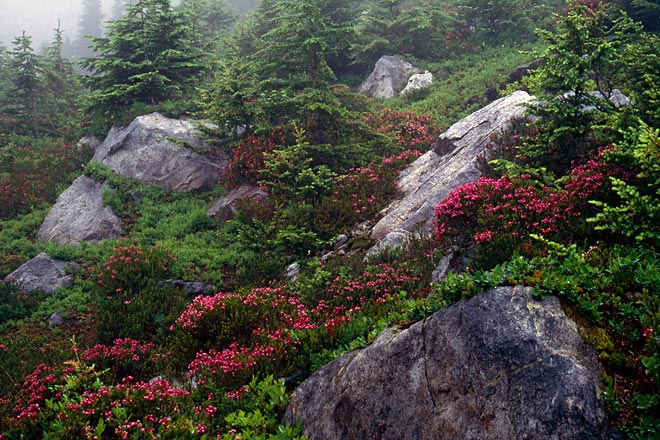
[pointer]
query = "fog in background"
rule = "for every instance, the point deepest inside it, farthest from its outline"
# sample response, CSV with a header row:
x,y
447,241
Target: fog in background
x,y
39,17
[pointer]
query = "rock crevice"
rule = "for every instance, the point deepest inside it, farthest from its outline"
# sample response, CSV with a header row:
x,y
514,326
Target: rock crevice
x,y
450,164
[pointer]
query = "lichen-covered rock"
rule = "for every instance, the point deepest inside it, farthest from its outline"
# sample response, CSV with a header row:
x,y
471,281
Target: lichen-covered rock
x,y
418,81
388,77
79,215
164,152
224,207
450,164
501,365
43,274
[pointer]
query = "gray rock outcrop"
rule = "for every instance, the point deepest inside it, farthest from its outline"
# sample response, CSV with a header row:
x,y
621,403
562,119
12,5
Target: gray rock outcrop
x,y
450,164
79,215
418,81
43,274
500,365
224,207
164,152
388,77
56,319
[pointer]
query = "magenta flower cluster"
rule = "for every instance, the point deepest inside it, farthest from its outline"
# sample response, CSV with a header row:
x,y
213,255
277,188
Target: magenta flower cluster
x,y
509,209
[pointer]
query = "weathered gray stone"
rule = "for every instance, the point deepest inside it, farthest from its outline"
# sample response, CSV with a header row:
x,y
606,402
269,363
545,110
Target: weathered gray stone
x,y
44,274
450,164
388,77
616,98
164,152
500,365
443,267
191,288
56,319
523,70
88,143
224,208
292,271
418,81
79,215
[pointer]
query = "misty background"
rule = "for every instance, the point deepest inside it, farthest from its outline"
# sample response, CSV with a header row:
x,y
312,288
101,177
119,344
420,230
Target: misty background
x,y
39,18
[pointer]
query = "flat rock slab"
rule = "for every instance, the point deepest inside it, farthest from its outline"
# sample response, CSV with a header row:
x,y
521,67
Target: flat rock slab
x,y
501,365
450,164
43,274
79,215
164,152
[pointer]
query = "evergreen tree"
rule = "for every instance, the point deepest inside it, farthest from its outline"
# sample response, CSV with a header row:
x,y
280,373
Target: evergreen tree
x,y
149,55
61,90
295,51
90,25
24,67
398,27
5,82
210,18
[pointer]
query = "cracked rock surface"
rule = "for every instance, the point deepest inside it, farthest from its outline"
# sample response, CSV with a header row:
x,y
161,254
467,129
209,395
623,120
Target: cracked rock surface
x,y
164,152
500,365
452,163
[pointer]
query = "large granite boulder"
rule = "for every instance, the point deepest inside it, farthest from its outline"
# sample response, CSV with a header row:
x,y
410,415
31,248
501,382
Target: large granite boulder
x,y
164,152
418,81
388,77
450,164
500,365
43,274
79,215
224,207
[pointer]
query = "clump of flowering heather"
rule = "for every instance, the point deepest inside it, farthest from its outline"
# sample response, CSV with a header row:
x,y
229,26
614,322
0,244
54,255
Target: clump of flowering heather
x,y
498,215
126,357
363,192
76,400
234,336
248,157
31,174
133,302
131,268
410,130
228,334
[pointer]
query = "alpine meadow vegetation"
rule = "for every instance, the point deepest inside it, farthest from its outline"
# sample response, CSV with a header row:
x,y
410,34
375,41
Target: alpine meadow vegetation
x,y
568,203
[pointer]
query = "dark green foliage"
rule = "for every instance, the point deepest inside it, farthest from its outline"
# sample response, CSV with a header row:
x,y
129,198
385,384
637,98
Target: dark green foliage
x,y
59,104
394,27
324,155
16,304
24,97
586,58
637,215
495,21
211,19
149,55
38,92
